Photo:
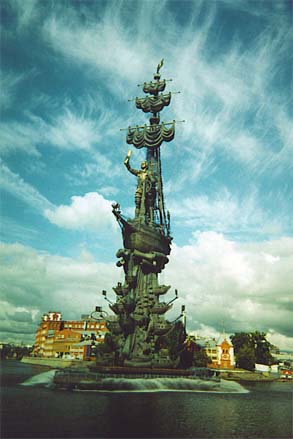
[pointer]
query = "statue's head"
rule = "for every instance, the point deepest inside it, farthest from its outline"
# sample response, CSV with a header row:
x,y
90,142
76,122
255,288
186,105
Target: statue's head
x,y
144,165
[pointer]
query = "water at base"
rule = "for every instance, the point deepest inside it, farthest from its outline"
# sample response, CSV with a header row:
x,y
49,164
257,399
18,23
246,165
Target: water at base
x,y
45,379
35,411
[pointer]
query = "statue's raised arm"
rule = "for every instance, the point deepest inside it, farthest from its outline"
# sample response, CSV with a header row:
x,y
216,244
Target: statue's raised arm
x,y
127,164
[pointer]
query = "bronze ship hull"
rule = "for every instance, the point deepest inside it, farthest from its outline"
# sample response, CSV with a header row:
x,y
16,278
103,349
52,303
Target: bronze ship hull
x,y
145,239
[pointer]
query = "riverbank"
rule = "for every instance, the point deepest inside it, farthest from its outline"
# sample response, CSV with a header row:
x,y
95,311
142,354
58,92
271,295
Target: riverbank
x,y
55,363
245,376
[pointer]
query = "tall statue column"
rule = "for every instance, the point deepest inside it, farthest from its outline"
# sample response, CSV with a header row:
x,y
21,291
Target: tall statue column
x,y
139,332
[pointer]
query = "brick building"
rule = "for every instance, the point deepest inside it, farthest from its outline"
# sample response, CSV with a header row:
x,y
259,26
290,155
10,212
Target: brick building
x,y
72,339
51,322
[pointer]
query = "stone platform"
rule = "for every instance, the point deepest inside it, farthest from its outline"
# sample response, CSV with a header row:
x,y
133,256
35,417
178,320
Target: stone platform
x,y
123,378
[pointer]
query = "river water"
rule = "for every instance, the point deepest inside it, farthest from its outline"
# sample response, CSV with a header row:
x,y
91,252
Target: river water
x,y
32,409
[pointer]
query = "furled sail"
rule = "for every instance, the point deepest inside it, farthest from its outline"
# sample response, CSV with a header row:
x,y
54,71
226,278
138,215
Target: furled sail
x,y
150,136
154,87
153,104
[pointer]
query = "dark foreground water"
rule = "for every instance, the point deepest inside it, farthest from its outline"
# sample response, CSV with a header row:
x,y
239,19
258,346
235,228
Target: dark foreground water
x,y
34,411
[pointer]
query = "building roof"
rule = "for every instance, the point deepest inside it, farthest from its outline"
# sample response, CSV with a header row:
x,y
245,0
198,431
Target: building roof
x,y
224,339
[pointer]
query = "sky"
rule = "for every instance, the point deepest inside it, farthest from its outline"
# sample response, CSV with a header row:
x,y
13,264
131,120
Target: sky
x,y
68,69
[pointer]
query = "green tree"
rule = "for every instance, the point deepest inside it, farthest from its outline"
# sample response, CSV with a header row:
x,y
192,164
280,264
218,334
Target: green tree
x,y
200,358
244,350
245,358
251,348
186,358
173,340
262,348
108,346
193,355
6,351
239,339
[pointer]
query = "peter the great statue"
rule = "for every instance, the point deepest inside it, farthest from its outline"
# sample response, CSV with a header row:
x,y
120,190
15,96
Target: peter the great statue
x,y
141,345
139,332
145,194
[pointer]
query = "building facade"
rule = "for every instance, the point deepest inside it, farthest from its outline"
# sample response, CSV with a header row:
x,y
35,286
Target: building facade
x,y
225,351
51,322
72,339
220,352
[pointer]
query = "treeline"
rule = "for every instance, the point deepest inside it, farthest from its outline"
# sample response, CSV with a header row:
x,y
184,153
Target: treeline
x,y
10,351
251,348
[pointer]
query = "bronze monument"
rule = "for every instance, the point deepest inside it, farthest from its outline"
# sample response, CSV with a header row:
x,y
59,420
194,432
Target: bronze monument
x,y
138,332
141,342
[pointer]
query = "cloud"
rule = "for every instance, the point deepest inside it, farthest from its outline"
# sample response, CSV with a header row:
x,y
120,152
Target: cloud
x,y
228,213
34,282
232,101
243,286
11,230
27,12
9,85
17,187
99,165
21,316
17,136
217,97
269,12
104,44
90,212
70,132
66,131
280,340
